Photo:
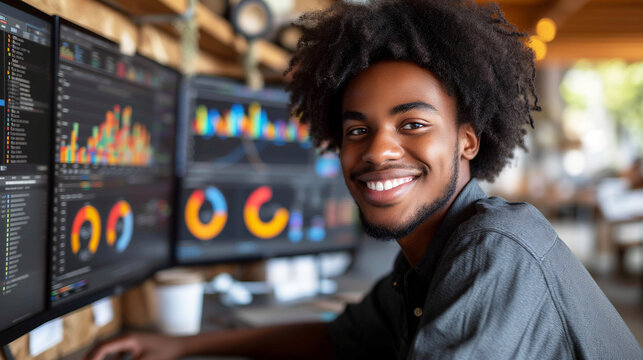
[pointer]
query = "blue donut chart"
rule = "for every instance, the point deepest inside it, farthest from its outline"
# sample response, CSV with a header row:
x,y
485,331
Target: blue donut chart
x,y
120,210
126,235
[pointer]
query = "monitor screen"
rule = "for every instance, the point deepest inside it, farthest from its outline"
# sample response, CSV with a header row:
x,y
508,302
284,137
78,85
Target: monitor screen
x,y
25,106
114,126
252,184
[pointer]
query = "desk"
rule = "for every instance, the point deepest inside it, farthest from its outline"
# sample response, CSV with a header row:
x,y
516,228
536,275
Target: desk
x,y
357,281
219,317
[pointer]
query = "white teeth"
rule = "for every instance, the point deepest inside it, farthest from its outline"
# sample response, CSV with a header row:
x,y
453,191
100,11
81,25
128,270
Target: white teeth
x,y
387,184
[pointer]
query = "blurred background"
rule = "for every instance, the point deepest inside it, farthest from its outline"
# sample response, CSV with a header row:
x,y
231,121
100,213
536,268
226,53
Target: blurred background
x,y
583,167
584,164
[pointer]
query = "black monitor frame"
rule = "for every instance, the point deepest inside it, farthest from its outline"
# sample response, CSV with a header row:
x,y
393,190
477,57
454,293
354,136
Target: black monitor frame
x,y
93,296
15,331
186,110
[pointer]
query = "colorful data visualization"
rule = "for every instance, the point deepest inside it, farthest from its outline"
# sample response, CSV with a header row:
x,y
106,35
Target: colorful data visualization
x,y
66,52
88,214
258,212
87,227
258,227
121,210
255,124
209,230
116,141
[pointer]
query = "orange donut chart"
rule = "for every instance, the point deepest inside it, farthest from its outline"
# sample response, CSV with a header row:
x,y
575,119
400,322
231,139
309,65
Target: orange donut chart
x,y
120,210
219,218
90,214
259,228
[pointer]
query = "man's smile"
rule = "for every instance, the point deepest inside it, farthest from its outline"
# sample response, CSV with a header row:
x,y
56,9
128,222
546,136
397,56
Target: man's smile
x,y
387,184
386,187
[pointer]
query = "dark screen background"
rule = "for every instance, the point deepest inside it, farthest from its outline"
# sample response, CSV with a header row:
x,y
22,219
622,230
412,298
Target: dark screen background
x,y
95,84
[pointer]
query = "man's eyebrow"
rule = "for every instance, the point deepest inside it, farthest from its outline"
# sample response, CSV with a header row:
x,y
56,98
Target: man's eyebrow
x,y
402,108
353,115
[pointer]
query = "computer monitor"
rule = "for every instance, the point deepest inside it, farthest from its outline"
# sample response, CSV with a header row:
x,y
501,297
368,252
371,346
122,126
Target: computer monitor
x,y
114,143
25,107
252,184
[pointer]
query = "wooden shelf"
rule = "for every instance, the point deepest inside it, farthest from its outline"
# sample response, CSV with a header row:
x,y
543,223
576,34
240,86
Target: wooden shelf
x,y
160,46
149,7
272,56
94,16
212,65
216,34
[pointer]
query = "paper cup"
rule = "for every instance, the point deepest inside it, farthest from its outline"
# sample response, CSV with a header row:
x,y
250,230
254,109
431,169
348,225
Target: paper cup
x,y
179,295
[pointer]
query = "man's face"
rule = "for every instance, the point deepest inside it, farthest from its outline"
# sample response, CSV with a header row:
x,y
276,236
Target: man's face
x,y
399,150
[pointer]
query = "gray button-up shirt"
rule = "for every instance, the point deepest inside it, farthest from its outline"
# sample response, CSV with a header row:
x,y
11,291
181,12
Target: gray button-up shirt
x,y
495,283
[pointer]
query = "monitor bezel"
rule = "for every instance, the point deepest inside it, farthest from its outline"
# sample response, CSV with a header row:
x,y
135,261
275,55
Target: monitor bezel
x,y
19,329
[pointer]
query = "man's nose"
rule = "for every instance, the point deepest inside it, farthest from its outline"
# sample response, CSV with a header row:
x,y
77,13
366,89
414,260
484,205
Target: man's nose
x,y
384,146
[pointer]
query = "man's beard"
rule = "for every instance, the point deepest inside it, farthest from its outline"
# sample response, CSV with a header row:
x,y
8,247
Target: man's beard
x,y
393,233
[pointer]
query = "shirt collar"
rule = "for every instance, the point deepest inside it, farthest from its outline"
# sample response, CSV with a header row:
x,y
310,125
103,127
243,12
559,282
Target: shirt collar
x,y
461,210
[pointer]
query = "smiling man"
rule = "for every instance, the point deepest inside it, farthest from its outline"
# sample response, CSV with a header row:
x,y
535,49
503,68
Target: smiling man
x,y
421,98
404,156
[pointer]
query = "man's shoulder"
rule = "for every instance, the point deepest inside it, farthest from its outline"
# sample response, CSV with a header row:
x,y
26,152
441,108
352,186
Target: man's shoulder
x,y
517,222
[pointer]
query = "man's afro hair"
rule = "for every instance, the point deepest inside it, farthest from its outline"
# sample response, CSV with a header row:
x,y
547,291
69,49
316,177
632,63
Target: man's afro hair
x,y
479,57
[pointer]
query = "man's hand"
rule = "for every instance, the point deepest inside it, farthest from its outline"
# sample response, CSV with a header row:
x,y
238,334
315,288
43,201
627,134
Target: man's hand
x,y
288,341
142,347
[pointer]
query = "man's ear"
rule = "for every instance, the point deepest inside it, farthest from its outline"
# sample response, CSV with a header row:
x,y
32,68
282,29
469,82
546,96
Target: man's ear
x,y
469,141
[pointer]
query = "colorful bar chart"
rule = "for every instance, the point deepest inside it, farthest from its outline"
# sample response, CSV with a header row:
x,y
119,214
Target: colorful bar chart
x,y
66,52
254,124
116,141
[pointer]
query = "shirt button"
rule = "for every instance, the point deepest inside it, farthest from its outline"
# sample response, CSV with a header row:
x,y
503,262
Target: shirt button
x,y
417,312
394,283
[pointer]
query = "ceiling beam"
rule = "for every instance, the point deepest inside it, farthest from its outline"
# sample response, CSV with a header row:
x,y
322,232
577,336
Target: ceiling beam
x,y
559,11
602,20
570,49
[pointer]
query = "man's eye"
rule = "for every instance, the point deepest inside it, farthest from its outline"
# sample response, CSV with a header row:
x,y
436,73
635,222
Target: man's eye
x,y
357,131
412,125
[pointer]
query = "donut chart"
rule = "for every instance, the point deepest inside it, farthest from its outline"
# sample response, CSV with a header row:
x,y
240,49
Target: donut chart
x,y
87,214
120,210
259,228
219,217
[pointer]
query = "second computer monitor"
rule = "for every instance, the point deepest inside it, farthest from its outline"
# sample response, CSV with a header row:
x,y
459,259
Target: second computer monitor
x,y
114,136
25,110
252,183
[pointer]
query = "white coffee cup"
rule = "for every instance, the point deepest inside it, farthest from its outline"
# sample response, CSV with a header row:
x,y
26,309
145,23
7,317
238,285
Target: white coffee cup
x,y
179,295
